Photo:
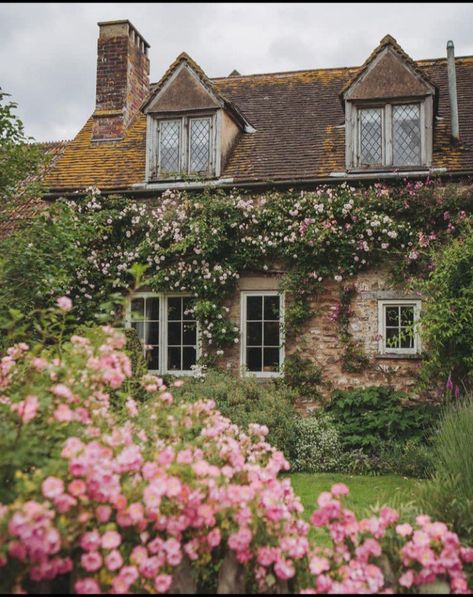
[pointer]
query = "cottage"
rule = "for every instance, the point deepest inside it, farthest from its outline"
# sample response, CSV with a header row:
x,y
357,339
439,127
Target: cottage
x,y
391,118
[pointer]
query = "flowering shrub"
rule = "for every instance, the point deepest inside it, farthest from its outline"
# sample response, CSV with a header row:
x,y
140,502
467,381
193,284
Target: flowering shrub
x,y
201,243
317,445
134,499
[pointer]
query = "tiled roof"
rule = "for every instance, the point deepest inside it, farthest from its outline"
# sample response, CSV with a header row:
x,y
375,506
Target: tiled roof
x,y
21,207
298,117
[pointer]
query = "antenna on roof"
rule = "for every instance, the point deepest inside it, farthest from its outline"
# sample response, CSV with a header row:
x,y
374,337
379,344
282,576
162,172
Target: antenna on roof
x,y
234,73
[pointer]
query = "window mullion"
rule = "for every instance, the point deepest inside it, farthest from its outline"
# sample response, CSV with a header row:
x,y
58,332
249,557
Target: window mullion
x,y
163,333
388,137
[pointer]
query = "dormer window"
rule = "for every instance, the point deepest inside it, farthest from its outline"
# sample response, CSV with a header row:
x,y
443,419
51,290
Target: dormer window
x,y
185,147
389,135
191,127
389,107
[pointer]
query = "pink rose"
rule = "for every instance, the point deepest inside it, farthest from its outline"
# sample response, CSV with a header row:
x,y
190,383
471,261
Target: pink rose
x,y
52,487
111,540
64,303
162,583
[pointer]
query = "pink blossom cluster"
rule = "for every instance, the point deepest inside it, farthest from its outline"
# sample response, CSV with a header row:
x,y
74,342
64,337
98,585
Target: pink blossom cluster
x,y
358,560
130,500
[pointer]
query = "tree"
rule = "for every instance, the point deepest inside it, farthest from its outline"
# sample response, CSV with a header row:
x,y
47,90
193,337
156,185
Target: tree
x,y
20,160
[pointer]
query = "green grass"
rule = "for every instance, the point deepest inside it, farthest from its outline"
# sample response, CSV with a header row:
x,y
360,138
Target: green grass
x,y
365,492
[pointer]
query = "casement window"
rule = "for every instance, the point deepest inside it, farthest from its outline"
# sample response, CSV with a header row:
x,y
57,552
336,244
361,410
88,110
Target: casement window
x,y
262,319
398,327
168,331
391,135
185,146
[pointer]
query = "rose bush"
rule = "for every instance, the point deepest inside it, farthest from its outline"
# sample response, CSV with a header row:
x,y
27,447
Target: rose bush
x,y
138,497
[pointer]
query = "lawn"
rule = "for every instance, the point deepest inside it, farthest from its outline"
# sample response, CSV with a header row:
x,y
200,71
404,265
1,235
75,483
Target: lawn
x,y
390,490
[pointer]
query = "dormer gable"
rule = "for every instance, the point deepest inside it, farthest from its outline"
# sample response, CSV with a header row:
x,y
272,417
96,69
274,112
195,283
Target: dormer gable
x,y
388,73
389,111
184,87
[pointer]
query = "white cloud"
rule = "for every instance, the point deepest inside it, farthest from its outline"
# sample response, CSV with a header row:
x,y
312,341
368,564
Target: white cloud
x,y
49,50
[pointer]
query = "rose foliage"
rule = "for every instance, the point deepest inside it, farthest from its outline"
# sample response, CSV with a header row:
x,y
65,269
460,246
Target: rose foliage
x,y
126,499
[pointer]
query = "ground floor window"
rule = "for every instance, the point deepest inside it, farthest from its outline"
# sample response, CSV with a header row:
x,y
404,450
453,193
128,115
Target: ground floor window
x,y
398,326
262,318
168,330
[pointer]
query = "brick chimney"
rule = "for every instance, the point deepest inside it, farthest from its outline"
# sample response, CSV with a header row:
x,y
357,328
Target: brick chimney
x,y
122,78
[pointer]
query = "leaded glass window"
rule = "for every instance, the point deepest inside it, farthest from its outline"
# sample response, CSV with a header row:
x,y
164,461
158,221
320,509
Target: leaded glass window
x,y
393,135
199,150
186,146
406,135
170,146
371,136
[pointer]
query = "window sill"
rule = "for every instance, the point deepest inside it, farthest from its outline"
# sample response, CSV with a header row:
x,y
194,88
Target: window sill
x,y
399,356
388,169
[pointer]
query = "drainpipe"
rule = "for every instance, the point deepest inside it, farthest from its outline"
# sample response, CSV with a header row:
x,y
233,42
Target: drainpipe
x,y
452,91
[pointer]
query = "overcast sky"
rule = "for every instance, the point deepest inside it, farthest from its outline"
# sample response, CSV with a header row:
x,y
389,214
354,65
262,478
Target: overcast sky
x,y
48,50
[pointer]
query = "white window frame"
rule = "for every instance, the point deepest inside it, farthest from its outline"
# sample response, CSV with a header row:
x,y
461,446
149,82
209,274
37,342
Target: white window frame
x,y
163,331
387,350
387,134
185,147
261,374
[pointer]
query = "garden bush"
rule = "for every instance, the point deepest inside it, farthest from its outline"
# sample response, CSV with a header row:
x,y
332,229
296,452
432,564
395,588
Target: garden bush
x,y
317,447
367,418
449,493
246,401
447,316
153,497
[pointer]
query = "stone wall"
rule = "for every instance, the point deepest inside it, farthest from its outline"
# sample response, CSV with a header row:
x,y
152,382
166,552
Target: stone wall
x,y
320,342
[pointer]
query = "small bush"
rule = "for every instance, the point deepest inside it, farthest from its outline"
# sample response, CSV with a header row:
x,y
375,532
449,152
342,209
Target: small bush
x,y
317,446
449,493
368,418
245,401
303,375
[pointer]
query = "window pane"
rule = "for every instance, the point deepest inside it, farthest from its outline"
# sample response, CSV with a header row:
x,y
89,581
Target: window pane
x,y
407,338
271,334
189,334
392,316
187,308
174,334
152,357
174,309
254,334
254,359
392,337
152,332
139,327
371,136
407,315
271,359
271,307
199,144
137,308
254,308
174,359
152,308
406,135
169,145
189,355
